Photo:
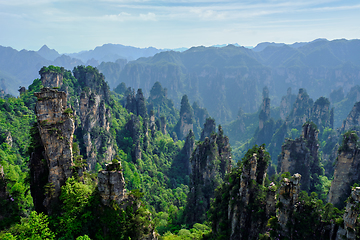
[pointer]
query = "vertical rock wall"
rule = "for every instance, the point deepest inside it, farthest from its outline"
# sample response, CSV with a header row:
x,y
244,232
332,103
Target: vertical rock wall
x,y
346,170
301,156
56,129
111,184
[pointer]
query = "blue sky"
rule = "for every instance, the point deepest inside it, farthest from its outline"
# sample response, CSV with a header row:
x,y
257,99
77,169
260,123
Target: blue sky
x,y
72,26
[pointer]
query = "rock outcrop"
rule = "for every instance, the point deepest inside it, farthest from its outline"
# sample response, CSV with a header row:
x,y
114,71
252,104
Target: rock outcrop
x,y
209,128
352,121
187,151
133,128
209,163
301,156
95,116
350,230
346,170
321,114
243,205
288,198
264,113
301,109
186,121
111,184
136,104
51,79
286,104
56,129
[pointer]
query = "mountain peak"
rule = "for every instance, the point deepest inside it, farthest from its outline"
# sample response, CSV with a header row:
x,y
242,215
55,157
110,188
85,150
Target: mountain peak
x,y
47,53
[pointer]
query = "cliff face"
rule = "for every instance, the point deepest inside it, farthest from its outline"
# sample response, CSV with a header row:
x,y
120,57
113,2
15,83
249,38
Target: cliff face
x,y
95,118
264,113
301,109
111,184
286,104
346,170
209,163
93,95
250,224
301,156
352,120
209,127
133,128
136,104
186,122
51,79
56,129
288,198
350,230
243,205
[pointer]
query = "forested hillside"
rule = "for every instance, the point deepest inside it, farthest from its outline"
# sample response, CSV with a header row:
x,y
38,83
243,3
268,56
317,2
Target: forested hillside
x,y
79,161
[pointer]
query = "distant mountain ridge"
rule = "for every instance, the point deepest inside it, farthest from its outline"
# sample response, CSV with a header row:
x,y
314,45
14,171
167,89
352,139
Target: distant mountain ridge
x,y
224,80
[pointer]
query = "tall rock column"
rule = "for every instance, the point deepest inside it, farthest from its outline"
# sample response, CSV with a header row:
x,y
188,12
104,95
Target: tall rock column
x,y
301,156
111,184
56,129
209,163
351,221
346,170
288,197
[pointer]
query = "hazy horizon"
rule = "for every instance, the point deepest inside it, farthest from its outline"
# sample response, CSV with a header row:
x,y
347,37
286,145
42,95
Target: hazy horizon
x,y
74,26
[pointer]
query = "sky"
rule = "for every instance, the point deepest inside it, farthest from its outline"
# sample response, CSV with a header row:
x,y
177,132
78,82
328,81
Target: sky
x,y
76,25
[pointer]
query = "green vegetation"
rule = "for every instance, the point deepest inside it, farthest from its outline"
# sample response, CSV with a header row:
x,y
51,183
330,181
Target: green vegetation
x,y
154,165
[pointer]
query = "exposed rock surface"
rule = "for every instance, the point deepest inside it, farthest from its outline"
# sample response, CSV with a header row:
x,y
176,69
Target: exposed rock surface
x,y
346,170
95,117
163,125
187,151
186,121
249,224
301,156
264,113
51,79
56,128
243,205
111,184
352,122
288,197
209,162
94,94
351,221
136,104
133,128
209,128
286,104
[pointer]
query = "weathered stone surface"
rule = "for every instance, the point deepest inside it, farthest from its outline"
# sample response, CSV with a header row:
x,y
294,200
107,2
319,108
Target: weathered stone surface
x,y
286,104
93,115
346,171
163,125
51,79
353,119
288,197
111,184
209,128
301,156
351,222
186,121
321,113
265,112
209,163
133,127
187,150
56,129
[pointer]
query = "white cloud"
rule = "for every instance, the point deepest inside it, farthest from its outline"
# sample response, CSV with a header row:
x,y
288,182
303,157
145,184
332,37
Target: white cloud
x,y
148,17
118,17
